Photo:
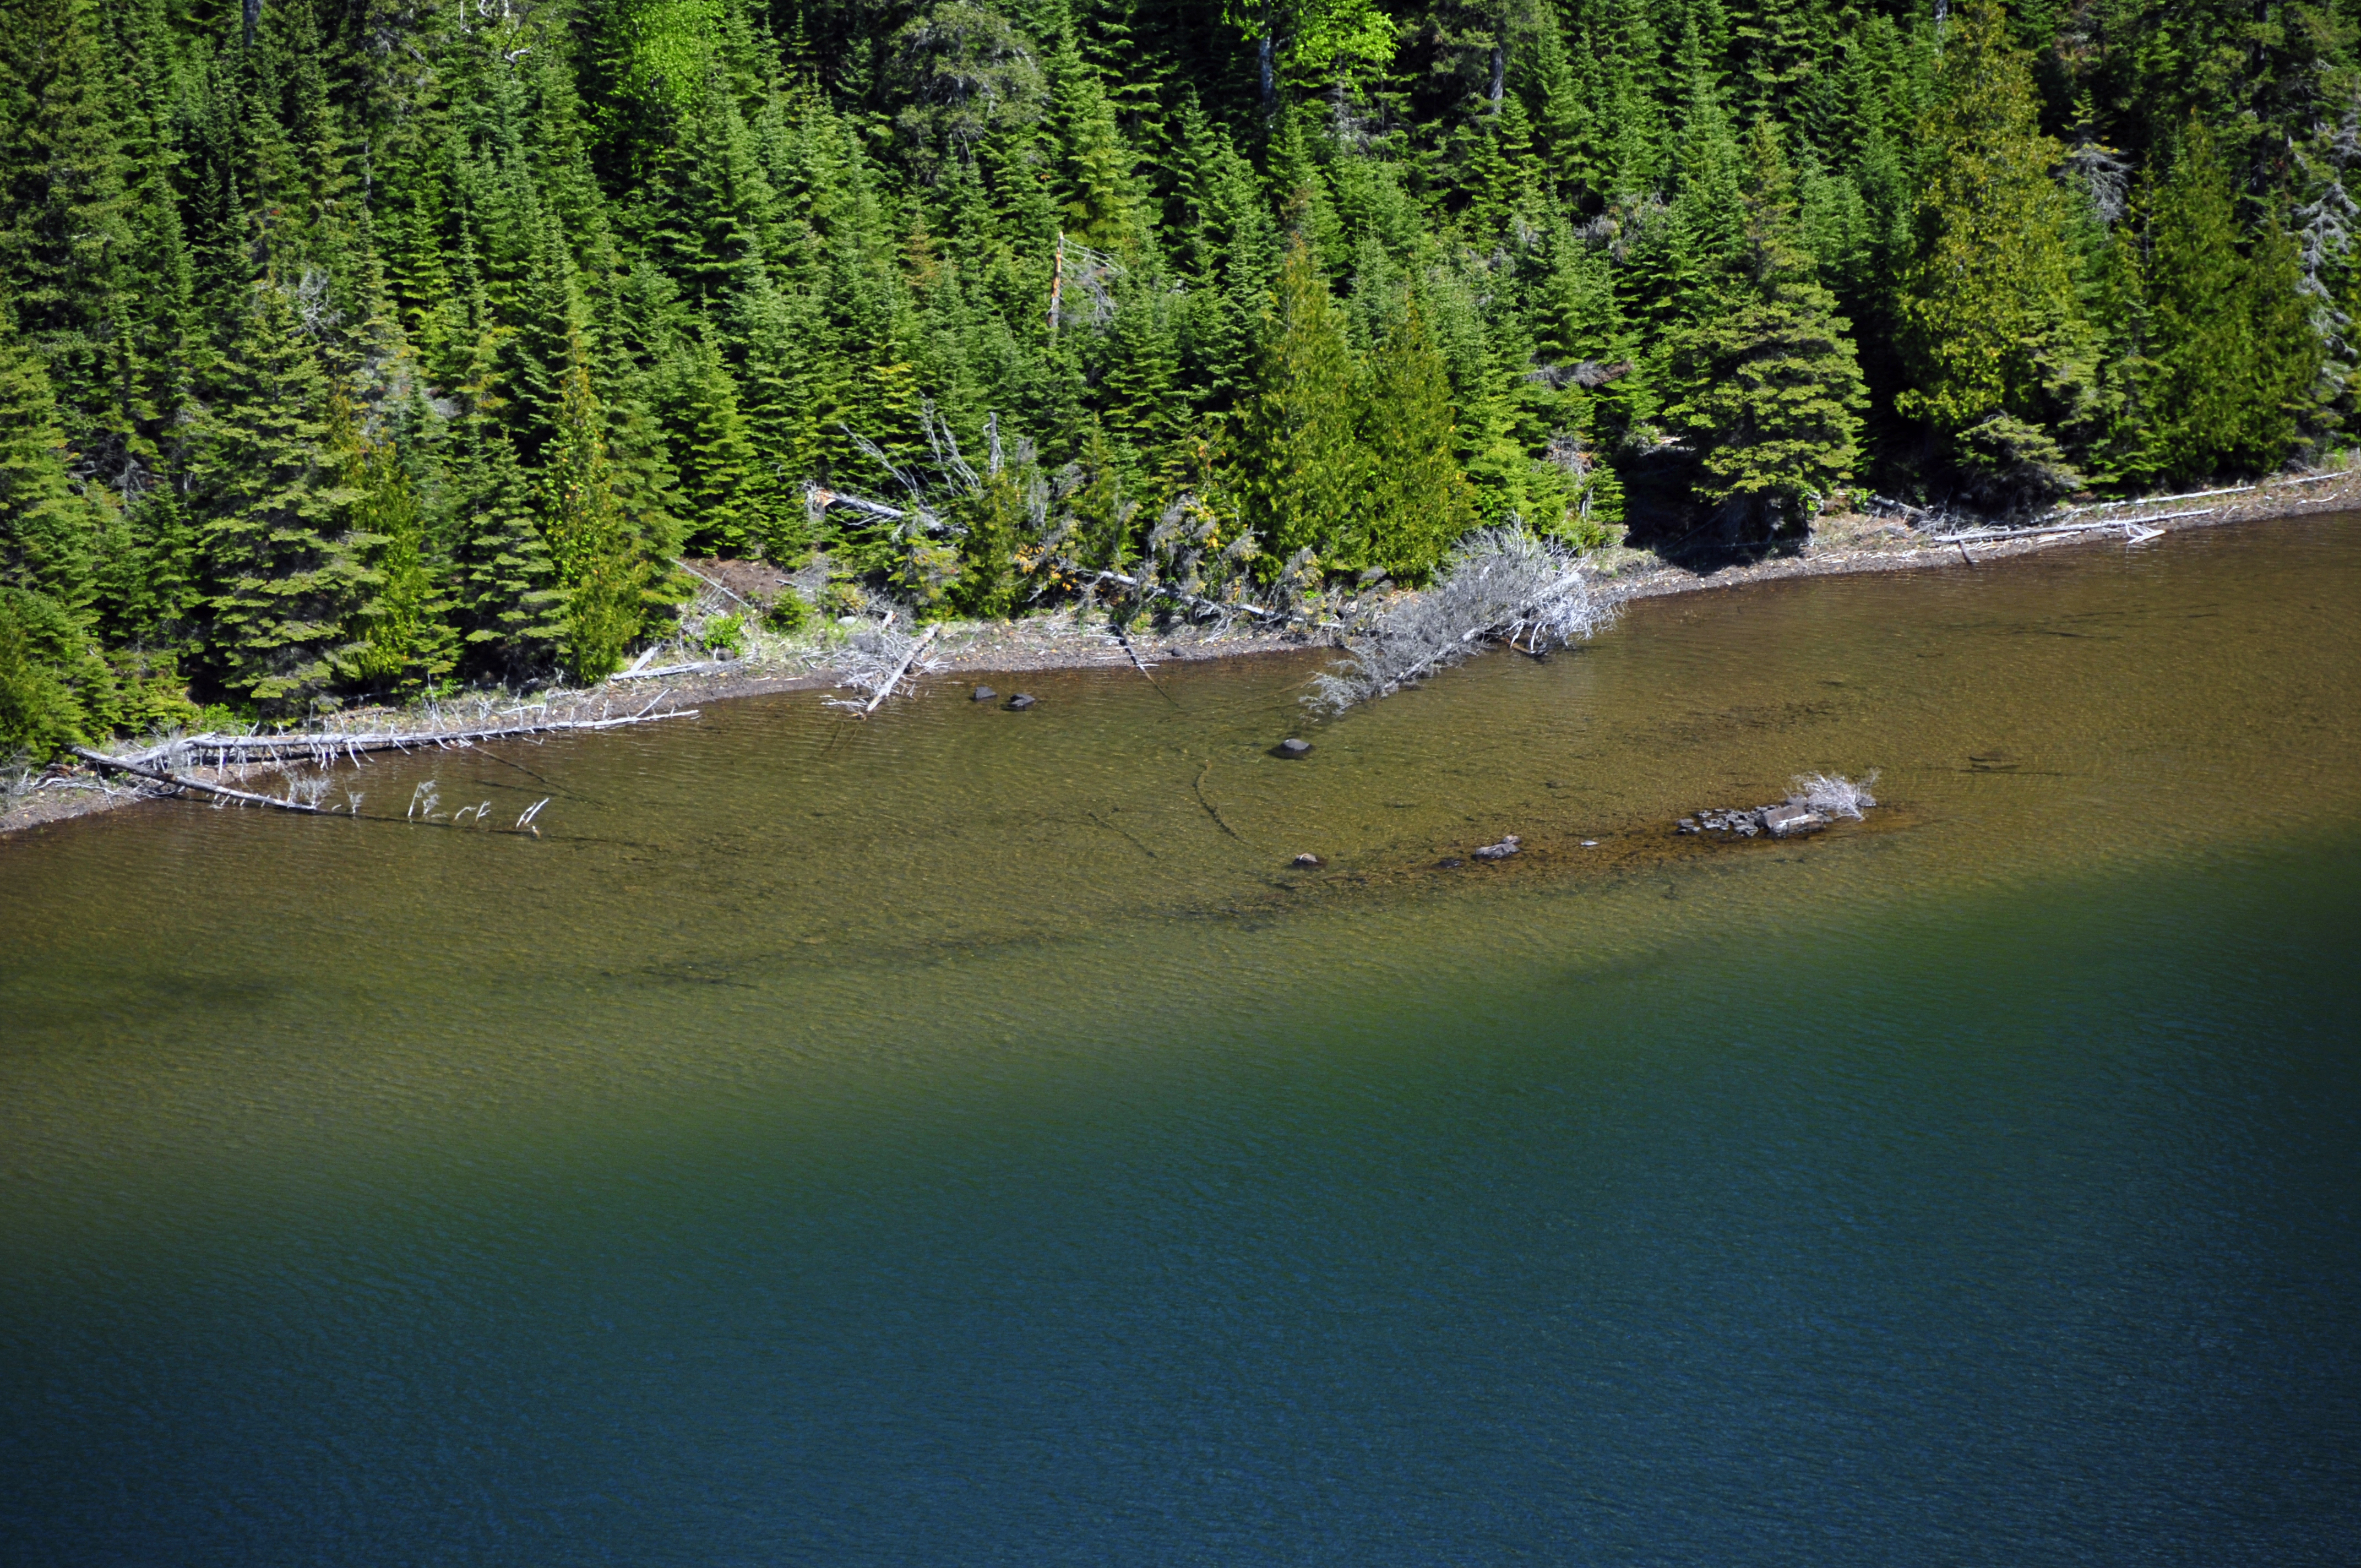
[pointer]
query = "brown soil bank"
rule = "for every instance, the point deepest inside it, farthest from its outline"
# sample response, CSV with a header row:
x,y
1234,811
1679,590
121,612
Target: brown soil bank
x,y
1842,545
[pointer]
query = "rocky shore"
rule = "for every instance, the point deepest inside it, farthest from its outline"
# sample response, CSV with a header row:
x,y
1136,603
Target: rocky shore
x,y
1067,639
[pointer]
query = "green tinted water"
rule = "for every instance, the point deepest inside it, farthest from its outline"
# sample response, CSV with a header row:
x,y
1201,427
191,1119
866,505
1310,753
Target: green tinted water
x,y
961,1136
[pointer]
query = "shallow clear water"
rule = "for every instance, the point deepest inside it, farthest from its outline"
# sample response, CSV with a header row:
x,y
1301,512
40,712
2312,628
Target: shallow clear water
x,y
960,1138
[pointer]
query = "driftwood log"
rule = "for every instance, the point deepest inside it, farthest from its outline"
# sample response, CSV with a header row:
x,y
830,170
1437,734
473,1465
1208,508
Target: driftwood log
x,y
324,746
899,670
2133,529
162,776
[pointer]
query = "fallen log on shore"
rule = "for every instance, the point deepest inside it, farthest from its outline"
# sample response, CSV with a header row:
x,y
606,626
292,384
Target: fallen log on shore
x,y
2135,528
324,746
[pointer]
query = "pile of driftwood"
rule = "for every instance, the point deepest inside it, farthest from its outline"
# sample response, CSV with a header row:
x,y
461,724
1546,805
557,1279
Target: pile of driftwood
x,y
2134,518
879,660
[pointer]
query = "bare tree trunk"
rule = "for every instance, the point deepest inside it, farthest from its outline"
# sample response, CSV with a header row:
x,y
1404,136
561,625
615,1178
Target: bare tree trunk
x,y
900,670
322,746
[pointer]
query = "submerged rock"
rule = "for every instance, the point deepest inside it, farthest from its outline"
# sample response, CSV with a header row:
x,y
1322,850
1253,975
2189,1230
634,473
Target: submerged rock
x,y
1291,747
1449,863
1020,702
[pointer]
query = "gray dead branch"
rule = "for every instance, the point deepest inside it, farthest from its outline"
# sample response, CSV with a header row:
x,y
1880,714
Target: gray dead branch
x,y
721,588
1223,610
2098,516
1833,795
695,667
1503,585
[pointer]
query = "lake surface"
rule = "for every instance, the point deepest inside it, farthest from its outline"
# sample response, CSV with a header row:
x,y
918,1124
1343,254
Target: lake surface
x,y
961,1138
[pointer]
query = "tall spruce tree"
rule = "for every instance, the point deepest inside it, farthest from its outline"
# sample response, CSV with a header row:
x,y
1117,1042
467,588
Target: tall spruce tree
x,y
1772,390
285,572
604,579
2234,355
1303,471
1991,314
54,688
1417,501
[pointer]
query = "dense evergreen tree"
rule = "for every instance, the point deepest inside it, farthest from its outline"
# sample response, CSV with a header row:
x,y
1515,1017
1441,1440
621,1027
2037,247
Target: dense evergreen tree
x,y
1992,322
1771,388
1302,469
2234,355
285,572
1418,500
603,579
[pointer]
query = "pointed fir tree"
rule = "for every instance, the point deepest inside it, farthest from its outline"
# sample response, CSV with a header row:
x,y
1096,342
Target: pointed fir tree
x,y
408,644
1991,322
719,471
604,579
1302,470
1418,501
285,574
1769,390
54,687
512,606
62,235
2233,353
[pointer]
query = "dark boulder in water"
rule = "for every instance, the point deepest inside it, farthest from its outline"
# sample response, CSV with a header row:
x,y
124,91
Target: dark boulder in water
x,y
1291,747
1020,702
1306,862
983,694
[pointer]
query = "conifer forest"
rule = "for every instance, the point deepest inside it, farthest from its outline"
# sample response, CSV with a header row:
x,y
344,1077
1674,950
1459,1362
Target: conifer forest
x,y
352,350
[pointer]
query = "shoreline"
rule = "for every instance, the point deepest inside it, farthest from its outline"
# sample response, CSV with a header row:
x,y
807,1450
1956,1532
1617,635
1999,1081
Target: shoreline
x,y
1846,546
